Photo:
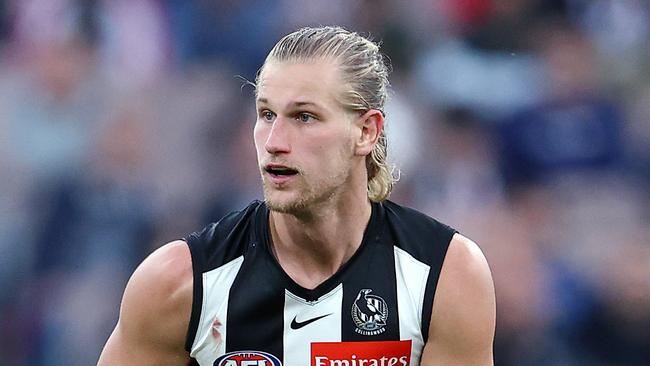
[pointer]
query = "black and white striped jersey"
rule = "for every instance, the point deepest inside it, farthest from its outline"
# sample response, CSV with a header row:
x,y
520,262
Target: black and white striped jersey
x,y
374,311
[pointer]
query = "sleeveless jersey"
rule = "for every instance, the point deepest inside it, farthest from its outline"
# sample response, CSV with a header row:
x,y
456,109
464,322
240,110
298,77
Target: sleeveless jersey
x,y
374,311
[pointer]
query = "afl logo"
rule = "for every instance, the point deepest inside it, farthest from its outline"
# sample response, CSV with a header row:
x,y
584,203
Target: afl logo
x,y
369,313
247,358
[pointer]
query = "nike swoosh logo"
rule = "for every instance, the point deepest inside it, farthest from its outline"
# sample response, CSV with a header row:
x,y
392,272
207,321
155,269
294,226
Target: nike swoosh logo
x,y
297,325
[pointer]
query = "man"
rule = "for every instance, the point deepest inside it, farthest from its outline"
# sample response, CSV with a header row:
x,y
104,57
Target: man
x,y
325,271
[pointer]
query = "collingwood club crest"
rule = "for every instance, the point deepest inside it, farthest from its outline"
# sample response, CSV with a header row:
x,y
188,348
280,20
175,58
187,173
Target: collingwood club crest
x,y
369,313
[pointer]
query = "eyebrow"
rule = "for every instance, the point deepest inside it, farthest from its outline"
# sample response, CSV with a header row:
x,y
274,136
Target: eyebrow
x,y
292,104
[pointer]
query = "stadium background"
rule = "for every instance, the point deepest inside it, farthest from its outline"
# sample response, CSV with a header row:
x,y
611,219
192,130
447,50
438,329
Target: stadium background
x,y
525,123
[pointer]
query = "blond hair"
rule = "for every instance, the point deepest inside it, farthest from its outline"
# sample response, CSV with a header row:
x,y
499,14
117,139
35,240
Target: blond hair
x,y
365,74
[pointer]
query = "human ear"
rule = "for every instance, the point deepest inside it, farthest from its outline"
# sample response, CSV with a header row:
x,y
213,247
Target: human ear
x,y
370,125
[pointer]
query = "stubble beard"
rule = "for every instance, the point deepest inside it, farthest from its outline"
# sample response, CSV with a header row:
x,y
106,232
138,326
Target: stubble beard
x,y
306,196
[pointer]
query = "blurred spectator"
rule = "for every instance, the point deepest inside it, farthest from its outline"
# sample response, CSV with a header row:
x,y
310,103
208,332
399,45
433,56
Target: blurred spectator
x,y
4,22
599,236
239,33
459,171
135,49
313,13
489,83
637,134
576,127
503,25
50,109
97,227
195,114
617,331
524,289
620,32
48,104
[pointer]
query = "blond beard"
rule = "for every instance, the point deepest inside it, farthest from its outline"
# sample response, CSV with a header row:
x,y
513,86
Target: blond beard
x,y
307,200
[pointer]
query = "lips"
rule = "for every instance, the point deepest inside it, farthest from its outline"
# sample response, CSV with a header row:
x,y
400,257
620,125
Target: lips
x,y
280,173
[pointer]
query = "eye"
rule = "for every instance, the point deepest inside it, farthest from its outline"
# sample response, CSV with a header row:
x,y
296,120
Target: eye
x,y
305,117
267,115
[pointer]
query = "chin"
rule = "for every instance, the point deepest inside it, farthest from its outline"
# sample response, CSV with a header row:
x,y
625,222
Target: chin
x,y
294,207
284,202
293,204
298,201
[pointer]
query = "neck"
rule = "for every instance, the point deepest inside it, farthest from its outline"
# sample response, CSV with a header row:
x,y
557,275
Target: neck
x,y
312,247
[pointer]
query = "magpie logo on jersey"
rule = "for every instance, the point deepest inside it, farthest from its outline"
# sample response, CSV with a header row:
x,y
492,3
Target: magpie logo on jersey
x,y
369,313
247,358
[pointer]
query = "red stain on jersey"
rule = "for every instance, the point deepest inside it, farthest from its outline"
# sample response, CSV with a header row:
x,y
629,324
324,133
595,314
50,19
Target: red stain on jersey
x,y
216,327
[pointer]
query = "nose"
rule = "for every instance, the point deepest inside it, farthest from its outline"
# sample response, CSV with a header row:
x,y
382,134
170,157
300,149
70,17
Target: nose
x,y
278,140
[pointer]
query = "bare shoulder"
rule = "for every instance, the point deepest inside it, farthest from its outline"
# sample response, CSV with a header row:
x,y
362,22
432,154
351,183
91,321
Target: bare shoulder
x,y
465,265
161,285
155,311
464,308
165,272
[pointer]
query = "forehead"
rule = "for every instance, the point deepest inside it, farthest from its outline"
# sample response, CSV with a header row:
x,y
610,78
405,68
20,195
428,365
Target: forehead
x,y
315,81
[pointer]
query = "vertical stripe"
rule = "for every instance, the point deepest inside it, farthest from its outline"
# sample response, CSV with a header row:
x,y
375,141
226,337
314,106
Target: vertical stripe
x,y
370,293
411,281
256,304
216,286
300,313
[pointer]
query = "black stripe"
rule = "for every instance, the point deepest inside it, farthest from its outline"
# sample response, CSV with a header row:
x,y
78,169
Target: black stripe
x,y
374,271
256,306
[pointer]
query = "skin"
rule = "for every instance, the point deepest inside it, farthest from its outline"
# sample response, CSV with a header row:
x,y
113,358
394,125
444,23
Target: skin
x,y
317,222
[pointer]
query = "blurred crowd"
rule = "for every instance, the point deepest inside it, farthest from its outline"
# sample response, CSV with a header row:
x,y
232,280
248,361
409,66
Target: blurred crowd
x,y
124,124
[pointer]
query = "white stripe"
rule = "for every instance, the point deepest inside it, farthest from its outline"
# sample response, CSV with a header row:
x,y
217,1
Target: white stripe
x,y
297,342
216,290
411,282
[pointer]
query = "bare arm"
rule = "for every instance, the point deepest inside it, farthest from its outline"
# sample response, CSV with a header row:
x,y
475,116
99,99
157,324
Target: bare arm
x,y
155,312
464,310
